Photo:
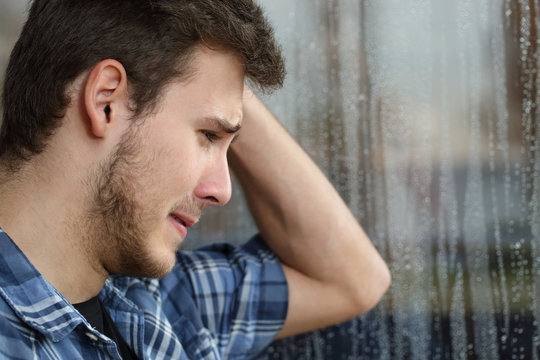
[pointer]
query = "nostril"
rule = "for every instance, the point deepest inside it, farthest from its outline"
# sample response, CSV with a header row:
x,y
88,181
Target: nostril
x,y
212,199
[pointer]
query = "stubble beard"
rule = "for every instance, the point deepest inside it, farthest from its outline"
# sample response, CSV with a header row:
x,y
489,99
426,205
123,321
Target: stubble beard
x,y
117,227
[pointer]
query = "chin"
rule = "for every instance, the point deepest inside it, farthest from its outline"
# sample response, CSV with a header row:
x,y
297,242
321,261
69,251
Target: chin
x,y
159,266
152,264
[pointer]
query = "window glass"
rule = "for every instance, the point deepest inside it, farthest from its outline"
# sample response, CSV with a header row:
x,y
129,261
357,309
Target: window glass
x,y
423,114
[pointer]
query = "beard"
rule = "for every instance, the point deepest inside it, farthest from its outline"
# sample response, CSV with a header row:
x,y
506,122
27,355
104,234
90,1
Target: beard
x,y
118,234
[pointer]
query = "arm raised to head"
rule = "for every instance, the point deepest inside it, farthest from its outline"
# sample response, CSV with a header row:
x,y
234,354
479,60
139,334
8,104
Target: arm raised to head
x,y
333,270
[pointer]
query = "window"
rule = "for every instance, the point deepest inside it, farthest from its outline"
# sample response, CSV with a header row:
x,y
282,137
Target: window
x,y
423,114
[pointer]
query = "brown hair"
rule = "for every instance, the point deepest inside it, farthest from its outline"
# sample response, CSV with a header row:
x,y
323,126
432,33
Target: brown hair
x,y
153,39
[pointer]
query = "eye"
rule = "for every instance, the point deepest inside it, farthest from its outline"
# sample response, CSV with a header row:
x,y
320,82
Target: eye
x,y
211,136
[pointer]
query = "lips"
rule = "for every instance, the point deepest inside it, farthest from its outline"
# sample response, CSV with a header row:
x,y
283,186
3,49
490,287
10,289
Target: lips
x,y
183,219
181,223
178,219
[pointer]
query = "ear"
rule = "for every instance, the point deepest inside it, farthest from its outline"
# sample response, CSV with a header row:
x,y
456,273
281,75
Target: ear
x,y
105,96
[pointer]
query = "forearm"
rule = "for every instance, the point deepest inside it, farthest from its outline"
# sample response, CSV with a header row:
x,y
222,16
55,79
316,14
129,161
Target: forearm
x,y
300,214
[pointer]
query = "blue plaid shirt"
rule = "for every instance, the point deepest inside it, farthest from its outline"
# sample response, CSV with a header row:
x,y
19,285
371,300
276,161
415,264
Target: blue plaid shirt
x,y
221,302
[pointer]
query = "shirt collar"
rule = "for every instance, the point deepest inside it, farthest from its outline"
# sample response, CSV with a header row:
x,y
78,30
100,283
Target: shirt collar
x,y
35,301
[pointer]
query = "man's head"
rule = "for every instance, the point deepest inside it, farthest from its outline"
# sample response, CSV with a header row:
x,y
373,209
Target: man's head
x,y
153,39
140,99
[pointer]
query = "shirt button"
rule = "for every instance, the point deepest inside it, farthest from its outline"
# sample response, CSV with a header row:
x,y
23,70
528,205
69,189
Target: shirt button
x,y
92,336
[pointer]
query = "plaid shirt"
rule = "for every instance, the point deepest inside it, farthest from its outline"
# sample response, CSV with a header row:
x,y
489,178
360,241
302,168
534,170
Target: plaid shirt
x,y
221,302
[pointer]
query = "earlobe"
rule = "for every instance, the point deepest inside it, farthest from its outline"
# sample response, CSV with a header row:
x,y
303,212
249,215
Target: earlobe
x,y
105,96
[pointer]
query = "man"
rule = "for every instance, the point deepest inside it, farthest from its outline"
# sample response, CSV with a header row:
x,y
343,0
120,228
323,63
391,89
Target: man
x,y
118,119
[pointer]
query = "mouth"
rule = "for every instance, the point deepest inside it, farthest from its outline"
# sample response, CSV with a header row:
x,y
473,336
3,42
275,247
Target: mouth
x,y
181,223
176,218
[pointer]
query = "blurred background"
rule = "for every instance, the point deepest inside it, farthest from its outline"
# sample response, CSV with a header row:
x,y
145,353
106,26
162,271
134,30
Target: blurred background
x,y
423,114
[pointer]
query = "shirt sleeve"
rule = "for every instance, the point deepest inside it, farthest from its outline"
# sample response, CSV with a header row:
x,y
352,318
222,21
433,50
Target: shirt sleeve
x,y
238,294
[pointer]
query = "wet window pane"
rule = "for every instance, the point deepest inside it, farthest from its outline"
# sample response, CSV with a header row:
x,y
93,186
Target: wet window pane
x,y
423,114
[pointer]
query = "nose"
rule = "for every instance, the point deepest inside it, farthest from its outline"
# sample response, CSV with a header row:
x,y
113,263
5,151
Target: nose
x,y
214,187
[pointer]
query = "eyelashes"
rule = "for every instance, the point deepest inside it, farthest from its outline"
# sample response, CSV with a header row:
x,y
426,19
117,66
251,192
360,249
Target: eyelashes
x,y
211,136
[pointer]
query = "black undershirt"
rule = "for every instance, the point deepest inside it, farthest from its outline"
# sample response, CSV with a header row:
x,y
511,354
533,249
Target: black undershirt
x,y
96,314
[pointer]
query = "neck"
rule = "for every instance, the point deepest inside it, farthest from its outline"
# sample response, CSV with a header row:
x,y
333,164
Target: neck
x,y
41,211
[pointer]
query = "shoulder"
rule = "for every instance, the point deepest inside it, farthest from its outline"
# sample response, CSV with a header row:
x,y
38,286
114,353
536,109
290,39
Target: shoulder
x,y
238,294
225,267
254,253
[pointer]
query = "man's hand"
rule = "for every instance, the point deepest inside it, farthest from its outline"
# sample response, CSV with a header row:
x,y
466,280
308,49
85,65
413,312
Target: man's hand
x,y
333,271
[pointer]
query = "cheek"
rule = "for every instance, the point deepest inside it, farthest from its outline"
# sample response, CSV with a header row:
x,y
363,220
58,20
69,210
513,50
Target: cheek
x,y
176,167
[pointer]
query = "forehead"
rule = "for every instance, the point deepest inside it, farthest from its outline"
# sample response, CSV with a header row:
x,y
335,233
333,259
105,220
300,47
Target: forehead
x,y
215,89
